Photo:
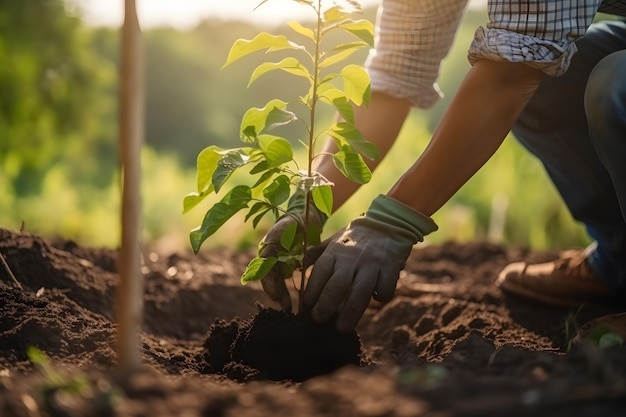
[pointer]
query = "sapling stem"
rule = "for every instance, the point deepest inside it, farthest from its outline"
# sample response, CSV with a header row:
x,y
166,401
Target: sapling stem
x,y
311,155
303,277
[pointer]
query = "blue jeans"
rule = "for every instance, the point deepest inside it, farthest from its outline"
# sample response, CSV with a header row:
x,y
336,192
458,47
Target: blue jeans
x,y
576,125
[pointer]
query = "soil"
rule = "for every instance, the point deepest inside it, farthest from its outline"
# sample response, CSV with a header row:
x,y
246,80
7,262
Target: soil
x,y
449,344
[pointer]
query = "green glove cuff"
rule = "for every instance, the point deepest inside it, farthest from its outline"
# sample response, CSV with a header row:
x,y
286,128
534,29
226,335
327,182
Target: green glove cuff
x,y
387,212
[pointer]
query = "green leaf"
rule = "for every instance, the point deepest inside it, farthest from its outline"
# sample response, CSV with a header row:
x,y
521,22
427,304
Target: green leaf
x,y
257,269
356,84
260,167
278,191
193,199
334,14
262,41
226,165
351,164
350,45
265,177
257,219
328,78
234,201
344,108
339,100
290,64
277,150
302,30
279,117
333,58
206,165
248,134
347,133
323,199
288,236
255,119
256,208
362,29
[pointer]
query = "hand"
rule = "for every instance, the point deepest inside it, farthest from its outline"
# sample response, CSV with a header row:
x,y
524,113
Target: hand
x,y
364,260
270,246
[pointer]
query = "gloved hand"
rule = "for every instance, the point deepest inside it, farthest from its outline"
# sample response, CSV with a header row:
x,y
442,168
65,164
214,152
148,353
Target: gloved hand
x,y
364,260
270,246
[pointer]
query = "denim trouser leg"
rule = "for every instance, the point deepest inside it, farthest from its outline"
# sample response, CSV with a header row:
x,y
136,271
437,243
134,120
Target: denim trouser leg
x,y
576,125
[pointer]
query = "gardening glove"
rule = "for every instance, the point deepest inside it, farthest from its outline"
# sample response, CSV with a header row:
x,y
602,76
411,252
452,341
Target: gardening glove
x,y
364,260
274,283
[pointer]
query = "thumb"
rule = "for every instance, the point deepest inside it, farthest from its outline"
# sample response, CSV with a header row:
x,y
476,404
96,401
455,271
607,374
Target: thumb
x,y
274,286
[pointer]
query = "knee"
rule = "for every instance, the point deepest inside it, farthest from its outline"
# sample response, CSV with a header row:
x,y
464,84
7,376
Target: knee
x,y
605,94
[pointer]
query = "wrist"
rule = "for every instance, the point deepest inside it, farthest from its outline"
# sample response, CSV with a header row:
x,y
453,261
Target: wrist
x,y
394,213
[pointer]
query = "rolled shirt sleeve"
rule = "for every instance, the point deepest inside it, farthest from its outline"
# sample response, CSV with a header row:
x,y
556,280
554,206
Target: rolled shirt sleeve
x,y
412,37
539,33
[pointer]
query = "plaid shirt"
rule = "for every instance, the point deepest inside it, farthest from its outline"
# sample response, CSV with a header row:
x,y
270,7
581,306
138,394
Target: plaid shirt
x,y
413,36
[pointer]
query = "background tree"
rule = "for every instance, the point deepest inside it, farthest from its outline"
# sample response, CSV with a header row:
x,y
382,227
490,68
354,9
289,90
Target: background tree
x,y
51,101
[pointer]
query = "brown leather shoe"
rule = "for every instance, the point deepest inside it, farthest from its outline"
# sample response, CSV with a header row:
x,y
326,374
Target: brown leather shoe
x,y
597,330
565,282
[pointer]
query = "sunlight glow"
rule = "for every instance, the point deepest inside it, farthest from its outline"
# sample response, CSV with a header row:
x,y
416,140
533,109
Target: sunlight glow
x,y
187,13
183,14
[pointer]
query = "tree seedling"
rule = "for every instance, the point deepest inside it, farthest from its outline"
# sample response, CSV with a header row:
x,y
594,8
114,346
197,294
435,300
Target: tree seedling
x,y
275,177
59,390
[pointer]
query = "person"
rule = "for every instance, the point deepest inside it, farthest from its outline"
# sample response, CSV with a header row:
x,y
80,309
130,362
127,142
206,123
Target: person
x,y
542,69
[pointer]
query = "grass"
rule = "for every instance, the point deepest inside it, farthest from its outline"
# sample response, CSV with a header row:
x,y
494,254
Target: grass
x,y
510,201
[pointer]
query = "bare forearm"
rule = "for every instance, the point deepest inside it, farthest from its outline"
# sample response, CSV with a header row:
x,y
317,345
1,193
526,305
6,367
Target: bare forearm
x,y
480,116
379,123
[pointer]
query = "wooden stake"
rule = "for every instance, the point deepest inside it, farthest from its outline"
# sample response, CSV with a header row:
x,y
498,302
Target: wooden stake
x,y
131,119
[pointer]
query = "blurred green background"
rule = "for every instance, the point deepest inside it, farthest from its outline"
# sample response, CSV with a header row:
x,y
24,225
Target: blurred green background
x,y
59,152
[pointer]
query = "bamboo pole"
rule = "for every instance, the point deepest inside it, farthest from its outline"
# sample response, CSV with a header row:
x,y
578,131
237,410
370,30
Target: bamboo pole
x,y
131,118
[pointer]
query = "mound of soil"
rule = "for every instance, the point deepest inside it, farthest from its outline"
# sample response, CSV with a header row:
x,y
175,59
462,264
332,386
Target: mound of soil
x,y
449,344
277,346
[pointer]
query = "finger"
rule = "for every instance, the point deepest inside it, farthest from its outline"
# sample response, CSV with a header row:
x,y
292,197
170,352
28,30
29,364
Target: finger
x,y
314,252
332,295
358,300
274,286
386,285
322,271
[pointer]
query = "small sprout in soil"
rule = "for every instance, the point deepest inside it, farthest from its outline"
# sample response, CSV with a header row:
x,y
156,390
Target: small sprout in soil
x,y
426,377
571,327
76,384
58,391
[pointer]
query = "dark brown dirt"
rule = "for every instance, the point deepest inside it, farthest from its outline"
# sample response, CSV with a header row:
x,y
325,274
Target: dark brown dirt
x,y
275,345
449,344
